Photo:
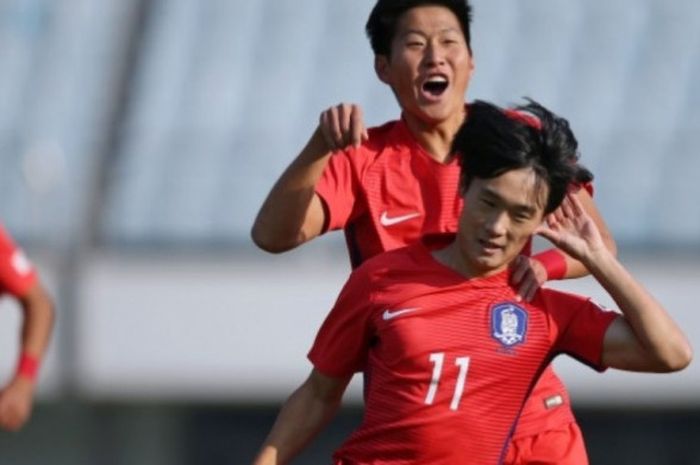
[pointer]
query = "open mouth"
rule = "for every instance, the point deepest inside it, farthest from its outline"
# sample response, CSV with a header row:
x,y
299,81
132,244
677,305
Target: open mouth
x,y
435,85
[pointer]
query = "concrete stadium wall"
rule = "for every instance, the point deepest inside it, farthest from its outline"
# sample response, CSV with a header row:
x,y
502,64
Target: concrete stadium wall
x,y
236,328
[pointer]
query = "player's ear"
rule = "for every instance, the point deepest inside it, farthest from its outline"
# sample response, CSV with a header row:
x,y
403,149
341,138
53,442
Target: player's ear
x,y
381,67
471,65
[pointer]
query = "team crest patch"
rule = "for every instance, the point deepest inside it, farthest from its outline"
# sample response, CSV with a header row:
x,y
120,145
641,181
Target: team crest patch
x,y
508,324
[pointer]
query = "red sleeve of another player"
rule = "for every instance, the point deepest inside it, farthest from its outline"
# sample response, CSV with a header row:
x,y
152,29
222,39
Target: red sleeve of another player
x,y
341,345
580,326
338,188
588,186
17,274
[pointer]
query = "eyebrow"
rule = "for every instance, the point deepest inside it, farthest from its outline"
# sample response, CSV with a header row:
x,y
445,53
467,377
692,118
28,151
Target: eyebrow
x,y
520,208
422,33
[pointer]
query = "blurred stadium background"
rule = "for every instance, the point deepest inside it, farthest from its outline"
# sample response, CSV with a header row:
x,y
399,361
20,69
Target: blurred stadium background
x,y
139,137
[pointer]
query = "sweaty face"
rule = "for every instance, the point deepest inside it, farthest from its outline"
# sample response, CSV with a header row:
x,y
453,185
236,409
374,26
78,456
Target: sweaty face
x,y
430,65
498,218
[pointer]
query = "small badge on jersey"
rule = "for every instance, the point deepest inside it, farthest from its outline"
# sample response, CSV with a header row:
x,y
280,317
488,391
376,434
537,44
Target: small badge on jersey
x,y
508,324
553,401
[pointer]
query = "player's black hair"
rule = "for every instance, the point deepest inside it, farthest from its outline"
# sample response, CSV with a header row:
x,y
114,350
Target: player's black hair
x,y
493,141
381,25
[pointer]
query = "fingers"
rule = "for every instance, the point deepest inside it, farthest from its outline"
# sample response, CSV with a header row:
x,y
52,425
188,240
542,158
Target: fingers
x,y
528,288
570,207
343,125
567,208
551,220
520,267
10,419
10,423
328,123
528,276
575,203
357,130
544,231
557,216
551,236
15,406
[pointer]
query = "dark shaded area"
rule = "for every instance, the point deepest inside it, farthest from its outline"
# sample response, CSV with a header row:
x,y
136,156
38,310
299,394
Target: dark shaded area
x,y
185,434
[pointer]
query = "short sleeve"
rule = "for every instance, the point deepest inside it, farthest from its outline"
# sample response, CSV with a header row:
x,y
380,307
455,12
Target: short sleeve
x,y
17,273
580,326
587,186
338,189
342,343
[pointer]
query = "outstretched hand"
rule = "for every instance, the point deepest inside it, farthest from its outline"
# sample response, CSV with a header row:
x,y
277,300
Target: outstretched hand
x,y
342,126
572,230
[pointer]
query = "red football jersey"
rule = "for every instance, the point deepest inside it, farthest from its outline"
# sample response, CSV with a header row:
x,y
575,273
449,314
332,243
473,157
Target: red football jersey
x,y
389,193
17,274
451,360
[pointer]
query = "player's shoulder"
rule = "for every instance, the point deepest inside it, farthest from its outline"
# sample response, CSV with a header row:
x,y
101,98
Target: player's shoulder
x,y
379,134
557,301
383,140
387,136
390,263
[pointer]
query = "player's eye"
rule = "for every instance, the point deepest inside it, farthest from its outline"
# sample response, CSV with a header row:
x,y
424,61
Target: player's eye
x,y
521,217
414,41
488,203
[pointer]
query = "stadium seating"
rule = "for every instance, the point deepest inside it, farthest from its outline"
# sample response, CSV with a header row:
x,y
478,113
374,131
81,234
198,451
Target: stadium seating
x,y
222,94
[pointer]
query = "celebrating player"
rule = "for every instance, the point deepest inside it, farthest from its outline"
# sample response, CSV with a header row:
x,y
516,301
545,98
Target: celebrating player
x,y
387,187
19,279
450,350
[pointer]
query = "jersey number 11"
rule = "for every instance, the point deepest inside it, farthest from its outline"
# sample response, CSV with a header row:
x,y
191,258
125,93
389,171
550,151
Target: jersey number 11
x,y
437,359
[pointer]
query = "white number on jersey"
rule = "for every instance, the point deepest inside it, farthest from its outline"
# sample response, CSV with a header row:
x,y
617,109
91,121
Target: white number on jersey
x,y
437,359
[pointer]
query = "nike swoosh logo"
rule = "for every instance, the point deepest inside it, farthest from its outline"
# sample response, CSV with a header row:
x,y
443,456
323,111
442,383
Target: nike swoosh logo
x,y
387,315
386,220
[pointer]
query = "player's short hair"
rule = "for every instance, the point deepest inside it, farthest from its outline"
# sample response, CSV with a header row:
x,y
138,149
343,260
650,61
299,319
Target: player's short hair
x,y
493,141
381,25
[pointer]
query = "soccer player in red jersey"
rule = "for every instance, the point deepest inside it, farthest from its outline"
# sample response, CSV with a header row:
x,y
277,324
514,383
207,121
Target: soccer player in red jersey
x,y
451,350
19,279
387,187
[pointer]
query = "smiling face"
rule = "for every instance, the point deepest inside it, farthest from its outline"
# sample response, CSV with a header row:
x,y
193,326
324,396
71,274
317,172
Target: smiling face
x,y
430,65
499,217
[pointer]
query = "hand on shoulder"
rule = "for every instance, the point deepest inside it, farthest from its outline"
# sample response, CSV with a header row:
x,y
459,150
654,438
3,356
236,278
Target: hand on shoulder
x,y
343,125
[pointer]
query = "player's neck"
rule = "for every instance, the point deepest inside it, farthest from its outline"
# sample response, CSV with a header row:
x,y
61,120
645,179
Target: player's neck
x,y
436,139
454,258
451,258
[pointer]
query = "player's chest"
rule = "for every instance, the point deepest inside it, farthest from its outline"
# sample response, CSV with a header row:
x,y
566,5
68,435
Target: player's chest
x,y
494,330
406,198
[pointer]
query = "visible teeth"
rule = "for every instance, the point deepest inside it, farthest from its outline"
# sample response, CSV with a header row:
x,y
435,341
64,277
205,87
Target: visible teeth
x,y
437,79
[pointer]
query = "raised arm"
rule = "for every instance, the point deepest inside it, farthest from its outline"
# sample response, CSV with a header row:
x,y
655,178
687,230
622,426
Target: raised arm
x,y
293,213
645,338
532,272
302,416
574,268
16,398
